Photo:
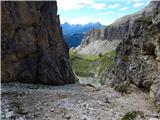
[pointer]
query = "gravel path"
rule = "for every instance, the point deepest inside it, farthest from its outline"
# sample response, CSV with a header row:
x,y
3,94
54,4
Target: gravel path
x,y
70,102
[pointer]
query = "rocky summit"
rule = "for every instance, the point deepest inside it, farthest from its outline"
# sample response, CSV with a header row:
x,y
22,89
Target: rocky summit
x,y
33,50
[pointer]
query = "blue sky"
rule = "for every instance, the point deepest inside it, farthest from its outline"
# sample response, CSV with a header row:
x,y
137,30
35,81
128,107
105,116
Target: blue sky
x,y
103,11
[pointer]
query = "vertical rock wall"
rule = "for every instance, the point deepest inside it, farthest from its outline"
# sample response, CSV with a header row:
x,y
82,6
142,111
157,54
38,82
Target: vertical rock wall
x,y
138,56
33,50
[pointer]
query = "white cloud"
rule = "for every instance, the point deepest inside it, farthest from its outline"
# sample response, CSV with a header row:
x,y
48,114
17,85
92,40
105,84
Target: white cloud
x,y
79,20
78,4
99,5
114,5
124,8
106,13
148,2
135,0
138,4
73,4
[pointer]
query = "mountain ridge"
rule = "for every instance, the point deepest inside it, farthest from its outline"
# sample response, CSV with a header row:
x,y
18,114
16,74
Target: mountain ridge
x,y
74,33
113,32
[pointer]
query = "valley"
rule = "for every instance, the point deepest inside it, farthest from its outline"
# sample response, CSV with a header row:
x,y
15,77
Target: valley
x,y
53,71
73,34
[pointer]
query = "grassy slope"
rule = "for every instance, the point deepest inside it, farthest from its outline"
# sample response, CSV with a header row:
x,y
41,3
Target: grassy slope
x,y
87,65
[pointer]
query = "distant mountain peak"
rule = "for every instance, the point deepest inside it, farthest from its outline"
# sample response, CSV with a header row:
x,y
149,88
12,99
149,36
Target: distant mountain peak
x,y
73,33
66,23
90,23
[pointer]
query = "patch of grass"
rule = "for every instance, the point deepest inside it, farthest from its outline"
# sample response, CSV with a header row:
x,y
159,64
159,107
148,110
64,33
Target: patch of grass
x,y
132,115
85,65
122,87
125,58
72,55
106,61
82,67
82,64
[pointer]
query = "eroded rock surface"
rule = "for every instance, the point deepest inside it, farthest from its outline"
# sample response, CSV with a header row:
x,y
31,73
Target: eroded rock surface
x,y
33,50
137,58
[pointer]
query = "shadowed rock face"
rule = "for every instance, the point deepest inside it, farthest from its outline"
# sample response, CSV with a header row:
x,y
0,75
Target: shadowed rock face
x,y
33,50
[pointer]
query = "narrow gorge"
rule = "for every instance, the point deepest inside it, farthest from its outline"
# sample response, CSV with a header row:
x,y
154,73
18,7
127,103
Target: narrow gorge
x,y
114,74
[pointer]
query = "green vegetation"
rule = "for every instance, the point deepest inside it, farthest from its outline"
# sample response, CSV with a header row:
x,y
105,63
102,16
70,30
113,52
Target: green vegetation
x,y
100,55
17,107
125,58
86,65
132,115
82,64
122,87
106,61
147,19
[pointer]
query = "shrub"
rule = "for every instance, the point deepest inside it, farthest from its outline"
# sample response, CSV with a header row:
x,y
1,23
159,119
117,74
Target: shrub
x,y
132,115
147,19
125,58
122,88
100,55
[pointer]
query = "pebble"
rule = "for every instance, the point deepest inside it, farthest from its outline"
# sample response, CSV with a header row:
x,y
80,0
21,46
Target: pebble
x,y
52,110
155,115
87,104
20,118
9,114
154,119
36,115
3,116
67,117
107,100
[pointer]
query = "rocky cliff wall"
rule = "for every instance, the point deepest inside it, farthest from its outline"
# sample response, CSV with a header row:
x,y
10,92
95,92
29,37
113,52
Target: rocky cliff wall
x,y
138,56
33,50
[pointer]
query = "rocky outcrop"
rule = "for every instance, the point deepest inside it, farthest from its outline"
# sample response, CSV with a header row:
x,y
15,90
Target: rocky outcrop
x,y
33,50
113,34
138,55
95,43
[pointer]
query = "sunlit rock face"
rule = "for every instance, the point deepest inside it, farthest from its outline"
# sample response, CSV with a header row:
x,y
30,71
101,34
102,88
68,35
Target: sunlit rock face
x,y
33,50
138,55
105,40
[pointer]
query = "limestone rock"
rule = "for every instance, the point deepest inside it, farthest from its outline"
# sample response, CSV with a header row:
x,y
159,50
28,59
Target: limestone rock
x,y
137,56
33,50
